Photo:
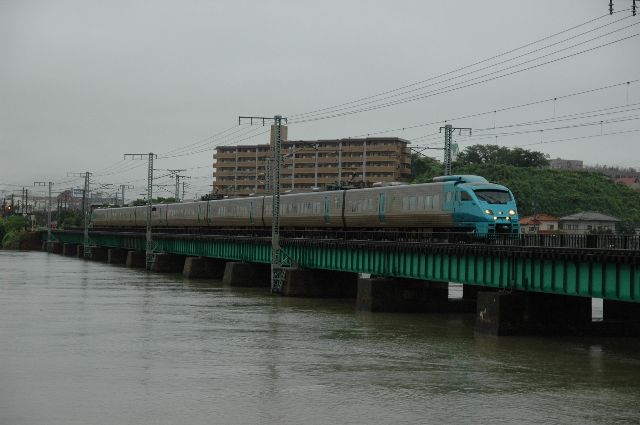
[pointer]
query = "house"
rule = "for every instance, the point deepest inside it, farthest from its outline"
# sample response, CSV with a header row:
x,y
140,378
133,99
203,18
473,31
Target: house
x,y
588,222
630,181
539,224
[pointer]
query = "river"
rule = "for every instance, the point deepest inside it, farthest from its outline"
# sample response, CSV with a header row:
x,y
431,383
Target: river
x,y
89,343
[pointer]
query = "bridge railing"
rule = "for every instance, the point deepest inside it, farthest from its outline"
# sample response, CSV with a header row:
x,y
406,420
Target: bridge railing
x,y
556,240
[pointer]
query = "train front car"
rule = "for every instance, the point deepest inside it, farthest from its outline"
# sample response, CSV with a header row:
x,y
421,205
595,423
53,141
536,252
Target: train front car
x,y
480,207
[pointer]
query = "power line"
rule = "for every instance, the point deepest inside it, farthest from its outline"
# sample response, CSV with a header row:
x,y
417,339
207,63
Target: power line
x,y
453,71
467,83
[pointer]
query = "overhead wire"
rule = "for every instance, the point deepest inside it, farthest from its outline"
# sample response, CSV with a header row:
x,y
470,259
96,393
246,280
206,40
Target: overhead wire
x,y
422,87
465,84
456,70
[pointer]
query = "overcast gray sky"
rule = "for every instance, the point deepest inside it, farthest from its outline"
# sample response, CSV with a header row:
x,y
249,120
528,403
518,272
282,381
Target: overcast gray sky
x,y
83,82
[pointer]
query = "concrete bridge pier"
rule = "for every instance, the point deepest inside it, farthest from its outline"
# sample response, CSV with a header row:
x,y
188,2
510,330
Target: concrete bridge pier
x,y
532,313
620,318
201,267
239,274
69,249
116,256
621,311
55,247
163,262
402,295
319,284
136,259
98,253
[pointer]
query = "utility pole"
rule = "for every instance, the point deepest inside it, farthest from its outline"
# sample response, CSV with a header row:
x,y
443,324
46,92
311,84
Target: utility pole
x,y
178,177
315,178
122,188
293,167
235,174
48,211
277,253
364,163
86,214
340,163
176,174
448,135
149,243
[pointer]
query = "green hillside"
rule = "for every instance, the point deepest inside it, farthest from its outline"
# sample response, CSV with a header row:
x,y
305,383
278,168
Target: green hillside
x,y
556,192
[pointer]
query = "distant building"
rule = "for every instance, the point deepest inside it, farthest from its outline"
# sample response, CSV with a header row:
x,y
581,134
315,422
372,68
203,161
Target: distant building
x,y
245,169
539,224
565,164
588,222
632,182
71,199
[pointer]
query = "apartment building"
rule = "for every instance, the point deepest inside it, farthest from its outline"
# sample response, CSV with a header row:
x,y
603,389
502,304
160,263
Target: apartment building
x,y
247,169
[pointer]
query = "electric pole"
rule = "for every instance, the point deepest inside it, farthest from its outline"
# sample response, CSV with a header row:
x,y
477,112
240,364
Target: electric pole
x,y
448,135
149,241
178,177
633,7
176,174
48,211
86,213
315,174
277,253
122,188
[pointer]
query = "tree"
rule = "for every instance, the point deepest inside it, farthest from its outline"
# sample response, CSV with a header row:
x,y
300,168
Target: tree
x,y
68,218
494,154
423,169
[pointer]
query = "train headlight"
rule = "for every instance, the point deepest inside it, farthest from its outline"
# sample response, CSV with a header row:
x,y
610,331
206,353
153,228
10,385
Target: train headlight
x,y
507,218
512,212
495,218
488,212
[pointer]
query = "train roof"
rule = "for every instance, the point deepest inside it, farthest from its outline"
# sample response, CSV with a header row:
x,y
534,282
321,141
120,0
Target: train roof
x,y
460,178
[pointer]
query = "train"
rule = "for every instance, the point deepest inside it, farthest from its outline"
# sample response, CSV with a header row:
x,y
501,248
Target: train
x,y
460,203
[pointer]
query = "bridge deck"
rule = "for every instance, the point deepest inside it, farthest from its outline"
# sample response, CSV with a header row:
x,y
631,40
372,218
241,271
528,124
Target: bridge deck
x,y
589,272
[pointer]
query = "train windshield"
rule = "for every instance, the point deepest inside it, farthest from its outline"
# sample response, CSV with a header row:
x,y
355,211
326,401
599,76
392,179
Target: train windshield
x,y
493,196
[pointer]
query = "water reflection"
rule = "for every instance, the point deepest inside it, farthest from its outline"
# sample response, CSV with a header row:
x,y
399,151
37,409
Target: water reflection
x,y
84,342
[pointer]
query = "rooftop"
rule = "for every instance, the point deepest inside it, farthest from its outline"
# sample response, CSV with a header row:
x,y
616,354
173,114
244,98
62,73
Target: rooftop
x,y
588,216
538,218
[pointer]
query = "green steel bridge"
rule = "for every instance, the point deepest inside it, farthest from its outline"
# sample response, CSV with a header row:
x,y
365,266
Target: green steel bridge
x,y
611,274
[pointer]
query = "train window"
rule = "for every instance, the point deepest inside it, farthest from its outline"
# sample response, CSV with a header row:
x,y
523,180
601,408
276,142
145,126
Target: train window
x,y
464,196
436,202
493,196
405,204
428,202
412,203
449,196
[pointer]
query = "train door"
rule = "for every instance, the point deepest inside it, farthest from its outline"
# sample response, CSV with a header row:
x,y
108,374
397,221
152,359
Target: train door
x,y
381,207
449,194
251,212
327,206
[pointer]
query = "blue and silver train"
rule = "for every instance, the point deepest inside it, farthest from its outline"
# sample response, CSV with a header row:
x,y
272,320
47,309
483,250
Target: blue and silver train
x,y
462,203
